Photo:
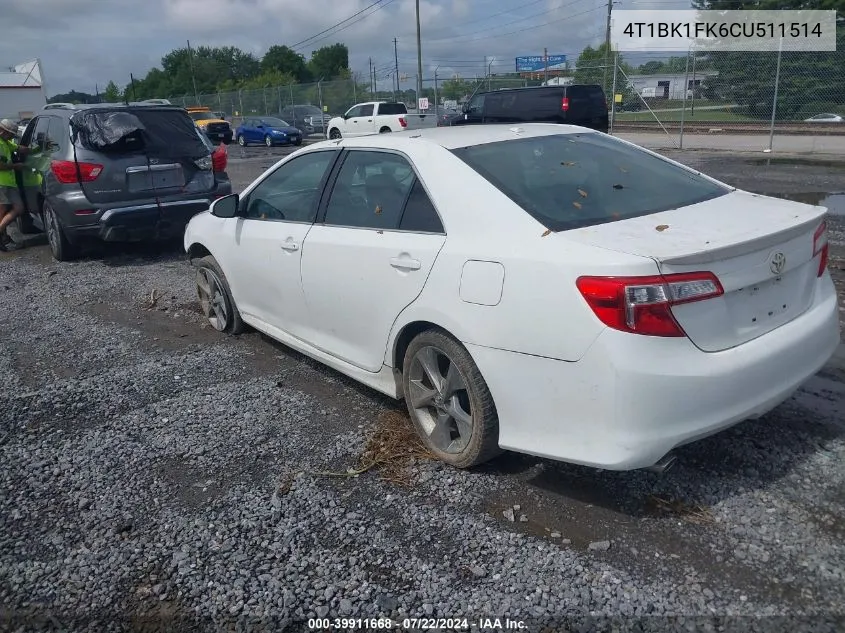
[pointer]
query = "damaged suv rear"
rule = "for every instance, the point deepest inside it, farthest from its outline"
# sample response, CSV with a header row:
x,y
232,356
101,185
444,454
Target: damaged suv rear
x,y
114,172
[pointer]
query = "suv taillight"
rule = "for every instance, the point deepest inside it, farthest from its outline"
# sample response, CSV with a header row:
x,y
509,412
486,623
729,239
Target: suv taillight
x,y
821,247
643,305
65,171
403,122
220,158
564,104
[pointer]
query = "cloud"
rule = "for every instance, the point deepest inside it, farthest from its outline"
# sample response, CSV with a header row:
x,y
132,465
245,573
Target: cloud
x,y
86,42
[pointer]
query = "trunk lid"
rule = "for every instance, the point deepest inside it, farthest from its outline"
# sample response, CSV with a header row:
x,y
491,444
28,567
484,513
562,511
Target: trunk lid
x,y
760,248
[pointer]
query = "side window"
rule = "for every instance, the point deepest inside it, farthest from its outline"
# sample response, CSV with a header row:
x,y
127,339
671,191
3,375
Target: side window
x,y
291,193
39,136
367,110
28,134
476,104
57,135
370,191
420,215
353,112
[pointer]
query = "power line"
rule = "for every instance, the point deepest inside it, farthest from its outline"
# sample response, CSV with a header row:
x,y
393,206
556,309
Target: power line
x,y
340,26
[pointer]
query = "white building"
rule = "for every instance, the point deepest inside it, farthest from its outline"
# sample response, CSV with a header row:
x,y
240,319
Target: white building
x,y
22,91
669,85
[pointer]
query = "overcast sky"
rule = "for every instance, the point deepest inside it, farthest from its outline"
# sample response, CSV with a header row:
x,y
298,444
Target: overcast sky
x,y
86,42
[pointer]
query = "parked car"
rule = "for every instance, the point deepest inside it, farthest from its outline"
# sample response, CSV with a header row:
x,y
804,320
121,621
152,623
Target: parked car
x,y
214,126
117,173
545,289
576,104
267,130
827,117
308,118
377,117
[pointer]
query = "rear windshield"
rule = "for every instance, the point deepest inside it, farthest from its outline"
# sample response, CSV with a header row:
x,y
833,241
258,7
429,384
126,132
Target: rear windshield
x,y
567,181
392,108
202,116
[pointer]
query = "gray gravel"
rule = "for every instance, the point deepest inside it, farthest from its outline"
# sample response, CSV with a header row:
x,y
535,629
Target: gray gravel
x,y
157,474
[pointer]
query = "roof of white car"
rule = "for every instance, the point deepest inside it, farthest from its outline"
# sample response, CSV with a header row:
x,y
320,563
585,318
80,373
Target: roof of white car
x,y
460,136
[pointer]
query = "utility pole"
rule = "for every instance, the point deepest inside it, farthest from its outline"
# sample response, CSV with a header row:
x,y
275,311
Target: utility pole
x,y
396,61
607,43
546,66
371,75
419,55
193,77
132,83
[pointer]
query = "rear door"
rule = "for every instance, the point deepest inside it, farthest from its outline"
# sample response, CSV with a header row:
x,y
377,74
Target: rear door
x,y
587,107
143,167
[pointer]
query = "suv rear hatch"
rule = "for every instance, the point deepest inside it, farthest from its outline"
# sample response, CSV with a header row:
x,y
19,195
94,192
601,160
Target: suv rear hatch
x,y
139,154
765,253
586,105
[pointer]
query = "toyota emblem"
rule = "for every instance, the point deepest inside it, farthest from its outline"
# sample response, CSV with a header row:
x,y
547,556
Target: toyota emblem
x,y
777,263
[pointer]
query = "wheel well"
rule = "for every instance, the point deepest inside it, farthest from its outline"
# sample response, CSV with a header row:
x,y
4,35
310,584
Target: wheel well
x,y
408,333
195,251
385,127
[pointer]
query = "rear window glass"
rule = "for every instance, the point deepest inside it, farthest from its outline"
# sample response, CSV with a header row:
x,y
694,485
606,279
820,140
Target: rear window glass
x,y
567,181
392,108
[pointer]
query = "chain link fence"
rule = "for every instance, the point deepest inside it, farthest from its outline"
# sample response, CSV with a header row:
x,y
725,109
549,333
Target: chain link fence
x,y
737,100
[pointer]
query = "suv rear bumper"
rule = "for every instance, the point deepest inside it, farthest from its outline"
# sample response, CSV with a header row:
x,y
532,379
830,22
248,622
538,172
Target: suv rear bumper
x,y
139,221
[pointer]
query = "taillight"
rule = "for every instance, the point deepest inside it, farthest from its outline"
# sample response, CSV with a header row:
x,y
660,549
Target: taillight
x,y
220,158
643,305
403,122
66,173
821,247
564,104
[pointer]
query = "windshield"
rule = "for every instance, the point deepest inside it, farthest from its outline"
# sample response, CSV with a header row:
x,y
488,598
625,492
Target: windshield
x,y
274,122
202,116
567,181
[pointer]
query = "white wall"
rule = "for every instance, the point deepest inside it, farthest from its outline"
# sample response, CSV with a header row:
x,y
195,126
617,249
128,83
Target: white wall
x,y
15,103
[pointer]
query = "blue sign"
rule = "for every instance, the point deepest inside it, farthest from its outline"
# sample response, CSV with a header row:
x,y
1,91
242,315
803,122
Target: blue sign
x,y
537,63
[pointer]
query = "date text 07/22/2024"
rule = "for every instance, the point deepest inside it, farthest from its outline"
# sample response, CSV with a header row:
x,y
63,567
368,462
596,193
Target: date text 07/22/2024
x,y
416,624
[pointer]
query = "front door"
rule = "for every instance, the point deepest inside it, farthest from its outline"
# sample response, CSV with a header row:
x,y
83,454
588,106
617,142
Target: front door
x,y
361,121
276,217
369,257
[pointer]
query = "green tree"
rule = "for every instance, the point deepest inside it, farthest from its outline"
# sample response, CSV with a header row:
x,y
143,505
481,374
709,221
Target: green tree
x,y
810,82
73,97
330,62
285,60
112,93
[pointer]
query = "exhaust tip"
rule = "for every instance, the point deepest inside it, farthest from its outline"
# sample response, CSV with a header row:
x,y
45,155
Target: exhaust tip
x,y
663,464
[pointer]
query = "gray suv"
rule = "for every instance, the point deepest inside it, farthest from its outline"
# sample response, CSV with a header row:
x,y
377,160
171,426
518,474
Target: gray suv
x,y
307,118
115,172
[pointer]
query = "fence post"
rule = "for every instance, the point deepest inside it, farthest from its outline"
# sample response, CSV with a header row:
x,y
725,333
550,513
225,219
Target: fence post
x,y
291,99
320,95
684,101
775,99
613,96
435,92
241,101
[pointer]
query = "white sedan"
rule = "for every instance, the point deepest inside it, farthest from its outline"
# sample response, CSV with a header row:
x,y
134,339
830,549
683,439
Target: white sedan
x,y
827,117
544,289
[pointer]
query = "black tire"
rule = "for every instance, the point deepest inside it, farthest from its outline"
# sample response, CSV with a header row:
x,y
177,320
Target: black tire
x,y
385,130
483,444
25,224
268,141
241,140
61,248
298,142
233,323
334,133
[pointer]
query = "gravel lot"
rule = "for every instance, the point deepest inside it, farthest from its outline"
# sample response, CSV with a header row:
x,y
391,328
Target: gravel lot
x,y
160,476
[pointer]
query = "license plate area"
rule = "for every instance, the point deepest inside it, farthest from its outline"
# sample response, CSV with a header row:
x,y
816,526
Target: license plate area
x,y
769,301
155,177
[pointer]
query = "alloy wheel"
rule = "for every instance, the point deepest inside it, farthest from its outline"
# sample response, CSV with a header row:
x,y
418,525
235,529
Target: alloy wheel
x,y
212,298
439,397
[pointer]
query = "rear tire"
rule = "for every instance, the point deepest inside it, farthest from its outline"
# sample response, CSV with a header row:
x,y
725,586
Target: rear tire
x,y
334,133
448,400
241,140
215,297
60,246
268,141
385,130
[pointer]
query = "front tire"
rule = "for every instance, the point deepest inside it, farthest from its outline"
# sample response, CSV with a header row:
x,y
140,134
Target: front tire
x,y
334,133
215,297
298,142
60,246
449,402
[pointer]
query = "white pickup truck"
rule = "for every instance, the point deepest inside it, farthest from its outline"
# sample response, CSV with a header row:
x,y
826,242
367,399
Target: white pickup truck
x,y
377,117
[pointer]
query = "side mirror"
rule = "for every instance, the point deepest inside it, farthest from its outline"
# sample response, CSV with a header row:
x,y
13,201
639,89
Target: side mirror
x,y
225,207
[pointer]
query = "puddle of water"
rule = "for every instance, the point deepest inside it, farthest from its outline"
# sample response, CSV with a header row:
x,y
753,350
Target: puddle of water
x,y
811,162
835,202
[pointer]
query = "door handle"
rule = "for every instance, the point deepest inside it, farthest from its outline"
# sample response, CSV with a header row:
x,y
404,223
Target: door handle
x,y
290,246
405,264
369,120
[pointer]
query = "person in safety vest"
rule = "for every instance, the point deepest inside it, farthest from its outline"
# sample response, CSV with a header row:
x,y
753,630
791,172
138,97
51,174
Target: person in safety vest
x,y
17,181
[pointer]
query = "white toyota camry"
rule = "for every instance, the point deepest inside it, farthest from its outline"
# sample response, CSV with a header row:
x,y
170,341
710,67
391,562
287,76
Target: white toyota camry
x,y
543,288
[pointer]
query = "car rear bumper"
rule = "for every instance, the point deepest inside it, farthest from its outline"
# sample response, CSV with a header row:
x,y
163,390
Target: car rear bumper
x,y
141,221
631,399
